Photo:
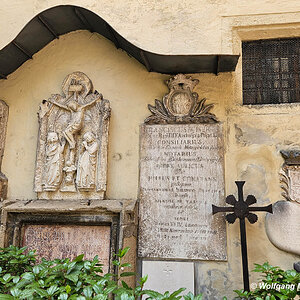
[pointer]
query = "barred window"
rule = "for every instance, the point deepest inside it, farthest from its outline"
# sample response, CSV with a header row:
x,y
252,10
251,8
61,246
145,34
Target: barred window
x,y
271,71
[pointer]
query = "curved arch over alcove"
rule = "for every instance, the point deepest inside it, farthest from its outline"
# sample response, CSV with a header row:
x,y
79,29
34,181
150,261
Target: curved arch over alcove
x,y
53,22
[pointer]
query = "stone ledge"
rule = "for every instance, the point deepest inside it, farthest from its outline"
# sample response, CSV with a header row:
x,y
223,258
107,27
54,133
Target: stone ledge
x,y
47,206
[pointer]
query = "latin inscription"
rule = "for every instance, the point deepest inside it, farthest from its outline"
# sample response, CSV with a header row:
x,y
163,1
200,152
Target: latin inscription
x,y
181,176
69,241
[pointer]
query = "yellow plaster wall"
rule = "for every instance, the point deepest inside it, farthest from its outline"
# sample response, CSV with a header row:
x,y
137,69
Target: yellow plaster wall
x,y
253,135
121,79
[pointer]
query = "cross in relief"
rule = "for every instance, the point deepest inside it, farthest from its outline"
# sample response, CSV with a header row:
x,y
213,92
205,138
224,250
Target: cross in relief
x,y
242,210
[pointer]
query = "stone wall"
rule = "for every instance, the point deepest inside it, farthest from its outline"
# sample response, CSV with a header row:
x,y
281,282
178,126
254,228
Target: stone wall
x,y
170,26
253,135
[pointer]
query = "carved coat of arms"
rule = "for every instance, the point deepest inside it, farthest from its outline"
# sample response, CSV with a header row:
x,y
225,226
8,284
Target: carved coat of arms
x,y
181,104
72,145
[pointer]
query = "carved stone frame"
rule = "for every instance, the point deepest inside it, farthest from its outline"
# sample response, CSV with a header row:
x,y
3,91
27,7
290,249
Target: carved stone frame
x,y
16,222
119,215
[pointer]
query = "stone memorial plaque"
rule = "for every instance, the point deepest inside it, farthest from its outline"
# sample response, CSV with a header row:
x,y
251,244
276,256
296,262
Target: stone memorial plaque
x,y
181,176
169,276
62,241
283,226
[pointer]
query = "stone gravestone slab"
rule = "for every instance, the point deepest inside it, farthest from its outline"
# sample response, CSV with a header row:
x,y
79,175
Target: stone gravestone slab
x,y
3,125
62,241
169,275
181,176
283,226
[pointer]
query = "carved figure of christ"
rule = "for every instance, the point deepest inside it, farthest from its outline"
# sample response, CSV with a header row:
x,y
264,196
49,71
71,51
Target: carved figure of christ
x,y
77,117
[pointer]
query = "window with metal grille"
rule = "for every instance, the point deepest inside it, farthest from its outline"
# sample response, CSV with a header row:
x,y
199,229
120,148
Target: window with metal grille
x,y
271,71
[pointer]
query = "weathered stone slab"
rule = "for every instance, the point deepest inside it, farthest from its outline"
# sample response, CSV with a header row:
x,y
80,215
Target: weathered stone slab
x,y
3,126
62,241
169,276
283,226
294,185
181,176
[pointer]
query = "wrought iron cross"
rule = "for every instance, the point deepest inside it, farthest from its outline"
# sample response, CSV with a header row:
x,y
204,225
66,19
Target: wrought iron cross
x,y
242,210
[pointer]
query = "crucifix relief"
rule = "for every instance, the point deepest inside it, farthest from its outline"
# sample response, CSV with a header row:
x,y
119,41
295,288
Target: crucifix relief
x,y
241,209
72,145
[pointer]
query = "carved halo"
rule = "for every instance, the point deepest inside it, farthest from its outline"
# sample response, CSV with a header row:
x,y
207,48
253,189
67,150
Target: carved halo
x,y
72,81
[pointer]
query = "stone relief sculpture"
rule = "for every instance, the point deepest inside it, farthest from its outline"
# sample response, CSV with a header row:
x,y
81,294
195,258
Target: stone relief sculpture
x,y
3,126
283,226
72,145
181,104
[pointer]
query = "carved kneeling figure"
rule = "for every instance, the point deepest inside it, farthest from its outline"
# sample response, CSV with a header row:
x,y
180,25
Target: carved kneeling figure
x,y
87,163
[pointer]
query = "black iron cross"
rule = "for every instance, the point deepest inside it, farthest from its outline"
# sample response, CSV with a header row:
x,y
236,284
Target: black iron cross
x,y
242,210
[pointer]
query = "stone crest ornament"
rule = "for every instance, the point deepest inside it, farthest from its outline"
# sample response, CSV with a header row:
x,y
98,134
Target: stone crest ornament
x,y
72,145
290,175
3,125
181,104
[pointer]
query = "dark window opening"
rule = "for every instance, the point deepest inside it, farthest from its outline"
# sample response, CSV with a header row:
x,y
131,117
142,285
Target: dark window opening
x,y
271,70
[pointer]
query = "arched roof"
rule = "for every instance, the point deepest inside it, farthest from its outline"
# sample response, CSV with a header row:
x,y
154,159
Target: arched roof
x,y
53,22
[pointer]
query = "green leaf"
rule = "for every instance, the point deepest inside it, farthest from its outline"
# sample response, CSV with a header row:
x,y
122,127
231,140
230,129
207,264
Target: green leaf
x,y
124,251
87,265
41,292
88,292
79,258
28,276
176,293
52,289
109,290
143,280
71,265
153,294
125,265
63,296
6,297
15,292
125,285
116,263
125,274
36,269
7,277
100,297
72,277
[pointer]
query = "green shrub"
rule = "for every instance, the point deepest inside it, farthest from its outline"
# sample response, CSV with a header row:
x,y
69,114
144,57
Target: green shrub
x,y
13,260
275,284
65,279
